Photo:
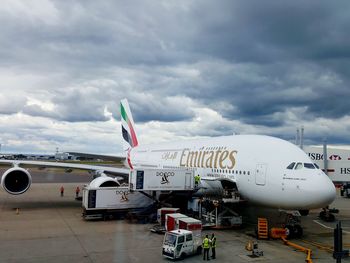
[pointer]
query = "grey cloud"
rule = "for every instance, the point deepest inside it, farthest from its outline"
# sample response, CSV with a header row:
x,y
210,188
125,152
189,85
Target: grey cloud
x,y
157,108
249,61
10,104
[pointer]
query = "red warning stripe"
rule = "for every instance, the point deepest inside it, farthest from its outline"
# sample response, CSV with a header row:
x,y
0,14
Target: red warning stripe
x,y
329,170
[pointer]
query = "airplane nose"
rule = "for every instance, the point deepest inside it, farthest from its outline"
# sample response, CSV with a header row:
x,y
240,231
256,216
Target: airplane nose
x,y
327,192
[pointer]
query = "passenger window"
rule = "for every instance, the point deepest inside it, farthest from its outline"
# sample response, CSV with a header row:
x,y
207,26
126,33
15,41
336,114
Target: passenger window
x,y
309,166
188,237
290,166
181,239
298,166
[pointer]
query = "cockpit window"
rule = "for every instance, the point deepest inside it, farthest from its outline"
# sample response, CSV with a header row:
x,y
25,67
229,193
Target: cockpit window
x,y
290,166
316,166
298,166
309,166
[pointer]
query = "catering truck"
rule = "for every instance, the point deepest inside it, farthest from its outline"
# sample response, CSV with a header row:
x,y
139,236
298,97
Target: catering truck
x,y
111,202
161,180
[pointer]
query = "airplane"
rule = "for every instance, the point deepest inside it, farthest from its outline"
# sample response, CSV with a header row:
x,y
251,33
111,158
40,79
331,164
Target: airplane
x,y
264,170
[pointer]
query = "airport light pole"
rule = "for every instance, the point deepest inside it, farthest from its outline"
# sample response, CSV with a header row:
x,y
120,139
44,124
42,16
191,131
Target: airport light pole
x,y
302,137
325,157
297,137
338,252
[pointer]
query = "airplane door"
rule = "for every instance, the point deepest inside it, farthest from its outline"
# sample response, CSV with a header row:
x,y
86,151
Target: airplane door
x,y
188,180
260,174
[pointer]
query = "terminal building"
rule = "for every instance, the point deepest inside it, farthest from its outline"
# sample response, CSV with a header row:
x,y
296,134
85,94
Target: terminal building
x,y
334,161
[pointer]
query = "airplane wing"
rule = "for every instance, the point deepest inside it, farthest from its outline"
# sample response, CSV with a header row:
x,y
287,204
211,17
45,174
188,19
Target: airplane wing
x,y
93,168
100,156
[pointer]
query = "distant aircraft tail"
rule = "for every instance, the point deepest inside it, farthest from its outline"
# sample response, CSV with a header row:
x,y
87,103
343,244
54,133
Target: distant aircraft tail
x,y
128,130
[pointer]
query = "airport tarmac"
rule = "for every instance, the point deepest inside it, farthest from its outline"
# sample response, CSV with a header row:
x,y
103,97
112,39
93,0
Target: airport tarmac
x,y
49,228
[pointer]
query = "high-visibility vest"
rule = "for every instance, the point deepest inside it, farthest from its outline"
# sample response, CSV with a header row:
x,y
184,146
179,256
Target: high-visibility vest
x,y
197,178
213,242
206,243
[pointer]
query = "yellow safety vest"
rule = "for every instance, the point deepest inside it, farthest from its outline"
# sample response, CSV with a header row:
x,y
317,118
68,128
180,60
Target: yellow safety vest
x,y
213,242
206,243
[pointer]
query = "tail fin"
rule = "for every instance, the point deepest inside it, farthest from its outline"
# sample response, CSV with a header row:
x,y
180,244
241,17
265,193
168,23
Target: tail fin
x,y
128,125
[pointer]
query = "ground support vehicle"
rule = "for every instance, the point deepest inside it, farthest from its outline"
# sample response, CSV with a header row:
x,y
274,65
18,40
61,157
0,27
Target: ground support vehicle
x,y
345,190
111,202
180,243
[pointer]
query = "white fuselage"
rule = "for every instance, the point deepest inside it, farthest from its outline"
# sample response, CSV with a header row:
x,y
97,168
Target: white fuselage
x,y
257,164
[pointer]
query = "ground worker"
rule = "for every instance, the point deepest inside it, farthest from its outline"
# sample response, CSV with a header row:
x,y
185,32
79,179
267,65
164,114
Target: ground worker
x,y
213,246
206,246
197,180
62,190
77,191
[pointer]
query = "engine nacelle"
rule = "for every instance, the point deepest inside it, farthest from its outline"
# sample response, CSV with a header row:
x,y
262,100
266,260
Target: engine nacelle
x,y
104,181
16,180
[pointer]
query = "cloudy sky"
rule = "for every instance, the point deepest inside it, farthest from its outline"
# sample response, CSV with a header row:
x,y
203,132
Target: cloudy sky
x,y
189,69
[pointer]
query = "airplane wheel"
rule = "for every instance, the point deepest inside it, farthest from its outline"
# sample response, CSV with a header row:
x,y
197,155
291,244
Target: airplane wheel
x,y
330,218
298,231
290,231
304,212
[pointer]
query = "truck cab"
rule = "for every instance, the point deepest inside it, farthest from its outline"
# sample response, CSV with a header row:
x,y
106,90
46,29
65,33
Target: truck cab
x,y
181,243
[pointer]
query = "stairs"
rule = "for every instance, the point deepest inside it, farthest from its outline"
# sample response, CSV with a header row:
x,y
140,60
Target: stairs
x,y
263,228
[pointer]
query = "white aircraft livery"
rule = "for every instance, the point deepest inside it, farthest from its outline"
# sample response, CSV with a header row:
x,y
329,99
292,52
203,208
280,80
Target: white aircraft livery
x,y
264,170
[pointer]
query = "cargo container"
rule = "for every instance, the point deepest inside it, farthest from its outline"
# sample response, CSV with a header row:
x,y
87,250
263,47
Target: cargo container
x,y
189,223
161,212
171,221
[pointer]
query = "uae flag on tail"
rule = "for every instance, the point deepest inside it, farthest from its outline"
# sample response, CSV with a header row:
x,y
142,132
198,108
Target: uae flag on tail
x,y
128,131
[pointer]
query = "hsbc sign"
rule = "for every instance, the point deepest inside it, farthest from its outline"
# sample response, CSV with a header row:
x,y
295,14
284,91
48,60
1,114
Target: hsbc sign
x,y
335,157
344,170
319,157
316,156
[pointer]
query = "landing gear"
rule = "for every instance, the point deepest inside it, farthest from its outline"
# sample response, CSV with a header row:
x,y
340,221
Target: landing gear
x,y
304,212
294,231
292,224
326,215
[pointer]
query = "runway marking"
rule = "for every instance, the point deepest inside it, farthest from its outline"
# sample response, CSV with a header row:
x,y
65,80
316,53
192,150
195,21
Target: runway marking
x,y
329,226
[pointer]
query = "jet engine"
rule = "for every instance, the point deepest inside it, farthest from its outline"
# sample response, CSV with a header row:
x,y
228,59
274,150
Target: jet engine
x,y
104,181
16,180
